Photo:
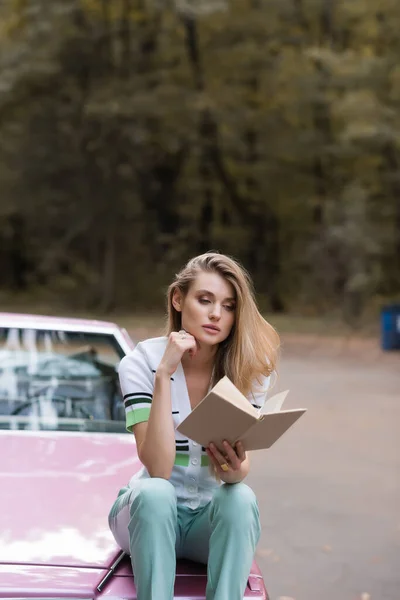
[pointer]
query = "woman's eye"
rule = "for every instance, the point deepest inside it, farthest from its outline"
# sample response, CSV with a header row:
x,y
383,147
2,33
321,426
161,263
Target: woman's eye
x,y
204,301
229,307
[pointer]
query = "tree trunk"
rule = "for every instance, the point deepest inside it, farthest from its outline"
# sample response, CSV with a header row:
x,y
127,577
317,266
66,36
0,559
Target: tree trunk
x,y
205,167
125,36
107,302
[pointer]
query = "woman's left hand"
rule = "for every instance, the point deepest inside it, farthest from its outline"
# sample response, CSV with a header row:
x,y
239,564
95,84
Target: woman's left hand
x,y
228,465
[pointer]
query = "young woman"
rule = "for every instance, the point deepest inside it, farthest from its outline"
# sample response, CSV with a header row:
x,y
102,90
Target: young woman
x,y
189,501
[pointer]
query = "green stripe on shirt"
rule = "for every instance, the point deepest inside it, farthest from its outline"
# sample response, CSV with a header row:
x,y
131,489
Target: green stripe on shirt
x,y
182,460
136,416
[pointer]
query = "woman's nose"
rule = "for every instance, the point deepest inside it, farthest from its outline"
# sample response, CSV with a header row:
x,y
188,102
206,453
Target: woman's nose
x,y
215,312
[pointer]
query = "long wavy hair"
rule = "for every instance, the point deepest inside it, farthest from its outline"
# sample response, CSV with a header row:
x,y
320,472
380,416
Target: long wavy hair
x,y
250,352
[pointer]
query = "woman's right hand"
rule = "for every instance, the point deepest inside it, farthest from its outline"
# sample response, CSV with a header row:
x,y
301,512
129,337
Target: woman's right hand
x,y
177,345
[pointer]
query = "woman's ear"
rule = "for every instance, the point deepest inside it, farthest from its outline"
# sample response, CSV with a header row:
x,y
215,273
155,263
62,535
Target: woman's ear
x,y
177,300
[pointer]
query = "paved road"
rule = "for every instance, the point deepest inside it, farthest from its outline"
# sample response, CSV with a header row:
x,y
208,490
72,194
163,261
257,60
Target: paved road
x,y
329,491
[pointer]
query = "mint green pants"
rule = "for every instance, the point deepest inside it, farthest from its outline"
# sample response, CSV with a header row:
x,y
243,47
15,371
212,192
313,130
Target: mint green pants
x,y
149,524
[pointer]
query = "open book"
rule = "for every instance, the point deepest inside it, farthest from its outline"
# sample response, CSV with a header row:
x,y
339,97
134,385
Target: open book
x,y
226,414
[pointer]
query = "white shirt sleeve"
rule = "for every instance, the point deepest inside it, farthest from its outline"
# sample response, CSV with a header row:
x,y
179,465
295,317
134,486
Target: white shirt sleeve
x,y
137,385
258,395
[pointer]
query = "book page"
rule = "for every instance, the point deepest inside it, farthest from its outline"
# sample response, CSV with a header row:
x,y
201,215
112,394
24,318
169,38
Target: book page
x,y
227,390
274,404
270,428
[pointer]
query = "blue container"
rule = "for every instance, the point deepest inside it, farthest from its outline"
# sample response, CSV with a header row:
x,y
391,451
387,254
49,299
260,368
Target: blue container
x,y
390,327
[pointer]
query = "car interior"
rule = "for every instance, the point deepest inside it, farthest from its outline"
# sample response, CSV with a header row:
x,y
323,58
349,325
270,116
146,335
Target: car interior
x,y
59,379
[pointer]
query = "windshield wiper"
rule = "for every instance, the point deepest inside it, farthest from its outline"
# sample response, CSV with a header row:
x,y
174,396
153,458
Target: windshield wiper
x,y
111,571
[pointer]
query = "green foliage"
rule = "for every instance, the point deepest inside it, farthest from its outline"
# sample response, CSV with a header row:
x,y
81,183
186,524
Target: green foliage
x,y
134,134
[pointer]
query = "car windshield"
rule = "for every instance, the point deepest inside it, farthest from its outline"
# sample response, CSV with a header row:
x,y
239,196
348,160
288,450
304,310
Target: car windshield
x,y
59,380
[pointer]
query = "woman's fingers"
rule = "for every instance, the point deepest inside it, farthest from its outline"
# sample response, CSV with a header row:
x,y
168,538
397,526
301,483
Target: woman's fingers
x,y
229,456
185,342
215,462
221,461
240,451
232,457
178,344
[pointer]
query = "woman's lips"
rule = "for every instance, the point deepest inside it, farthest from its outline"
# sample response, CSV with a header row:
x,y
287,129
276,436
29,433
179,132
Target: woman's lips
x,y
211,329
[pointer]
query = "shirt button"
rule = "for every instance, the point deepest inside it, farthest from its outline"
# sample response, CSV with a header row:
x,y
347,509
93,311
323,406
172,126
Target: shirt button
x,y
192,489
194,461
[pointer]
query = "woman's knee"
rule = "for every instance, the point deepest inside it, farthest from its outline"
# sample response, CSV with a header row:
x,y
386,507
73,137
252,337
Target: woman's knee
x,y
156,496
236,502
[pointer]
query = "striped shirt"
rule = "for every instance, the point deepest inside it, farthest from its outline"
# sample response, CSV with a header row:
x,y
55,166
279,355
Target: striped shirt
x,y
190,475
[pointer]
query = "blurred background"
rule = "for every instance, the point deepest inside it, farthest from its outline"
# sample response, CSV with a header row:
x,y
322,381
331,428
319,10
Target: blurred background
x,y
135,134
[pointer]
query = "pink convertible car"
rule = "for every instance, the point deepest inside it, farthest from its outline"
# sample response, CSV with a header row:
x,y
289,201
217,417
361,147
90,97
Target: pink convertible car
x,y
64,455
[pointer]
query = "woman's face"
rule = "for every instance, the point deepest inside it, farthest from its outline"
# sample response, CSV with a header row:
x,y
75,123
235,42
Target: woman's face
x,y
208,310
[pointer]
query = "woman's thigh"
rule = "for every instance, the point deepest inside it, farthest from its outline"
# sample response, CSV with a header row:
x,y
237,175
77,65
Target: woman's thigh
x,y
120,515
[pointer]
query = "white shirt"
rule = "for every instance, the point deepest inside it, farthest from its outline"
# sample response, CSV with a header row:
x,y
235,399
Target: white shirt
x,y
190,475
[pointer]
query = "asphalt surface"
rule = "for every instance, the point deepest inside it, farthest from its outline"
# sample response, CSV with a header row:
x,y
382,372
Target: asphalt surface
x,y
329,489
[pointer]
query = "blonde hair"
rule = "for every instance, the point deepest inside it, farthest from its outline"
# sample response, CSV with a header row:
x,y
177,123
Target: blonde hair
x,y
250,352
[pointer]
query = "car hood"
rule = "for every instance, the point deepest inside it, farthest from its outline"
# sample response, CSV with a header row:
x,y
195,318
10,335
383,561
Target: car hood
x,y
56,491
